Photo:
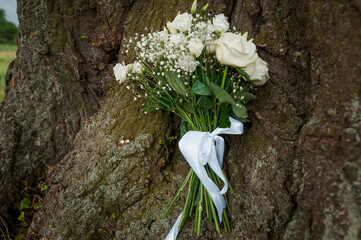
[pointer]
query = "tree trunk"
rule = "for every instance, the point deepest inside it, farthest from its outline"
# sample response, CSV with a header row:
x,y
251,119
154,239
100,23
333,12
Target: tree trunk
x,y
296,170
52,87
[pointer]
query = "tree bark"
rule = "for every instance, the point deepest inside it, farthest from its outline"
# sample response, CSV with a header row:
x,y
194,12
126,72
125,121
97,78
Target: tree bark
x,y
296,170
52,87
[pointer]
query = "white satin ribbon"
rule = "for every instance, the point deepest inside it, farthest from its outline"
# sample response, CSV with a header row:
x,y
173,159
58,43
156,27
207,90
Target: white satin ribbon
x,y
200,148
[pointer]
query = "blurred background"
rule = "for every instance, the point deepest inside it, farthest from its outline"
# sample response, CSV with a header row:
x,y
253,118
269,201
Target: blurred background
x,y
8,33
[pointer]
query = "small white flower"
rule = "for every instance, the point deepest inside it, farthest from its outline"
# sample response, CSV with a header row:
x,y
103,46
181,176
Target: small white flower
x,y
195,47
183,22
221,23
120,72
177,39
201,25
210,27
187,63
137,67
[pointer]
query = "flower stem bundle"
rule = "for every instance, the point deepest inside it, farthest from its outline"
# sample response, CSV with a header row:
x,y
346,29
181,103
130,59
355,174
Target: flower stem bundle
x,y
200,70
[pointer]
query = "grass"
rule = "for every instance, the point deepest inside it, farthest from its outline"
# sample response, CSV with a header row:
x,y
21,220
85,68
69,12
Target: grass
x,y
8,47
7,54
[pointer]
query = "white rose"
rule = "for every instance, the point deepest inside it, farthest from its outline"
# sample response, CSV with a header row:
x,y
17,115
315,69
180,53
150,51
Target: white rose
x,y
195,47
234,50
120,72
171,28
183,22
220,23
258,72
137,67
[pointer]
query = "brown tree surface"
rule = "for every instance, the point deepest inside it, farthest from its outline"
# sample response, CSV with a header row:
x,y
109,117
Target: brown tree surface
x,y
296,171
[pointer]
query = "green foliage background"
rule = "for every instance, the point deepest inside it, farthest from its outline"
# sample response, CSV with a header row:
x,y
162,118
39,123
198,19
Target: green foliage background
x,y
8,30
7,54
8,34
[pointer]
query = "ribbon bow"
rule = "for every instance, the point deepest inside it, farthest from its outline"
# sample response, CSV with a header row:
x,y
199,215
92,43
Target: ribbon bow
x,y
200,148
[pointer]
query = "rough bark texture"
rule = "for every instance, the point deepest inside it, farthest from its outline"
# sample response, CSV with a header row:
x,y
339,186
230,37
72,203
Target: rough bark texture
x,y
52,87
296,171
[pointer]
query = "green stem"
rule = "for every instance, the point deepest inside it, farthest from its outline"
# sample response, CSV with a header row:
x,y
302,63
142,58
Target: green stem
x,y
187,203
194,195
230,187
206,200
199,210
179,191
214,214
226,221
224,76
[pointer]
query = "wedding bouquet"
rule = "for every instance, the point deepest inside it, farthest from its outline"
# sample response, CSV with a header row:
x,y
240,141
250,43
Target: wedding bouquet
x,y
200,70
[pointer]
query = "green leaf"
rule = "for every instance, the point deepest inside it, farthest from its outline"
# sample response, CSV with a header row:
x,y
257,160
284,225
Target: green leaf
x,y
183,128
244,74
176,83
227,84
184,105
206,102
218,80
37,204
244,96
244,120
221,94
21,217
150,105
240,111
25,203
223,121
43,187
166,102
201,89
188,107
206,80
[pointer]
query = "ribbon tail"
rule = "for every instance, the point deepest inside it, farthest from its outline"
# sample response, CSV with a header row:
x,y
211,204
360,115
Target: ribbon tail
x,y
220,203
172,235
200,148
